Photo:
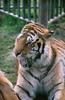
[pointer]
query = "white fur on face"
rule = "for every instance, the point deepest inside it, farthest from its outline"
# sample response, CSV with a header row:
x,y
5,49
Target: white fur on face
x,y
21,34
32,38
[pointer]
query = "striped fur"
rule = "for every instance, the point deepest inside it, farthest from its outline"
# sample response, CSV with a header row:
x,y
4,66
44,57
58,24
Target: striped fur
x,y
41,62
6,89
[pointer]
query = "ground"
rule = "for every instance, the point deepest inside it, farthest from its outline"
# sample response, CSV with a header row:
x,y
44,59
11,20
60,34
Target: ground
x,y
8,33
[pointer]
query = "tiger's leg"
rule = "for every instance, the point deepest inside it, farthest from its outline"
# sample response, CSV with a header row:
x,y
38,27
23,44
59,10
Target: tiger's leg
x,y
59,95
6,89
26,86
6,93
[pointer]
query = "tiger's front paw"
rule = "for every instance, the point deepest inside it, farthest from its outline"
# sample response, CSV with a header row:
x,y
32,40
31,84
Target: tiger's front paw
x,y
59,95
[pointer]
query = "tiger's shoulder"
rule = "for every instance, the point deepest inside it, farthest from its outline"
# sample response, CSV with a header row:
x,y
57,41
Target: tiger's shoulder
x,y
57,43
59,46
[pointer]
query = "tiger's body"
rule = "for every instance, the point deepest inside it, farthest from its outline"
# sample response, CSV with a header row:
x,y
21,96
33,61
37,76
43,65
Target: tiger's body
x,y
41,64
40,61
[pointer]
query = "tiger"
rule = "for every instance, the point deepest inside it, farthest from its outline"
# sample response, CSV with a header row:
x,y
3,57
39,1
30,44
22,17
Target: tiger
x,y
41,60
6,89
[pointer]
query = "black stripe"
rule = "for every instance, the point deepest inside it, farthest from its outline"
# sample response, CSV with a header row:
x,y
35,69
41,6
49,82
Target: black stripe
x,y
38,55
18,96
27,92
39,45
55,92
47,80
2,95
43,46
33,75
26,79
32,33
54,87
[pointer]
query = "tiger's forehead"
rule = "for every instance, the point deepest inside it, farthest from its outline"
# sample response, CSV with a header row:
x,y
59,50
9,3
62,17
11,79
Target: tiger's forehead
x,y
33,29
29,33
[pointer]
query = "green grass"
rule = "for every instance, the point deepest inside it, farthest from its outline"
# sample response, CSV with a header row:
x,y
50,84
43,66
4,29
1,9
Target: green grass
x,y
9,29
7,63
11,25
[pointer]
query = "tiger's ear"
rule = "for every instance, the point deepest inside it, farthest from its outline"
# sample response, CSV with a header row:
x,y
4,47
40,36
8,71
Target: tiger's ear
x,y
50,33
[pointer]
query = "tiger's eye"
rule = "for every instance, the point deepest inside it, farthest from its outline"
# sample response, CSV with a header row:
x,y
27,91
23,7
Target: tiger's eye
x,y
37,39
29,39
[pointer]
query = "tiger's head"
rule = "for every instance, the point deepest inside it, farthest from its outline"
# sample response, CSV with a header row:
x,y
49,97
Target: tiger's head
x,y
31,44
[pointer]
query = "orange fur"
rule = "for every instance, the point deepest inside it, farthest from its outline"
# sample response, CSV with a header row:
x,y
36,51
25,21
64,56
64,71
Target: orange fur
x,y
6,89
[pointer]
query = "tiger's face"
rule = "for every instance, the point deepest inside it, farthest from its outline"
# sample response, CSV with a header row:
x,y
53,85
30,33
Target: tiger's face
x,y
32,46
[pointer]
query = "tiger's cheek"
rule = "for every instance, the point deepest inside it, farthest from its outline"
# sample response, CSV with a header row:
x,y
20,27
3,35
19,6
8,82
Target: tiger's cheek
x,y
27,49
